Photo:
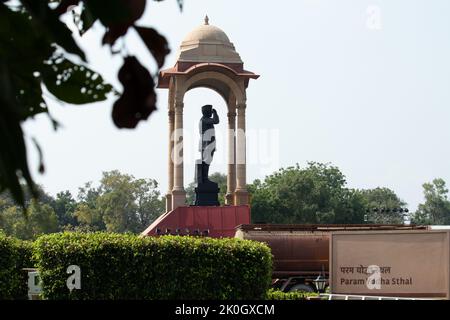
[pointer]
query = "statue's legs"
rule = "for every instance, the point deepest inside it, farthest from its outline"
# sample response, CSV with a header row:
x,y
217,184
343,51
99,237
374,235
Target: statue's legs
x,y
205,172
207,157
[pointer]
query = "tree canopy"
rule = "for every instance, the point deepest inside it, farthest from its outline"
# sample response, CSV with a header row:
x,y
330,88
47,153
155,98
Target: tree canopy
x,y
316,194
386,203
120,203
436,208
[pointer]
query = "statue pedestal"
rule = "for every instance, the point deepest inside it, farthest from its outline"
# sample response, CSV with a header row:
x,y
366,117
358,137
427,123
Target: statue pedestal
x,y
206,191
206,194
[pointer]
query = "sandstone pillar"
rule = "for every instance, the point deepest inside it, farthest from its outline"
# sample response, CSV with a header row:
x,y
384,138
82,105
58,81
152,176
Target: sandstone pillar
x,y
178,192
241,194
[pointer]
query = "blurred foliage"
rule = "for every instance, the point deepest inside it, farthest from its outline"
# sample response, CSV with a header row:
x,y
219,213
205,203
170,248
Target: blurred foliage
x,y
37,50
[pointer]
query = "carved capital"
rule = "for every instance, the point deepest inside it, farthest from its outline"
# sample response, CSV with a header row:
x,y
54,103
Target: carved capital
x,y
241,108
179,107
231,115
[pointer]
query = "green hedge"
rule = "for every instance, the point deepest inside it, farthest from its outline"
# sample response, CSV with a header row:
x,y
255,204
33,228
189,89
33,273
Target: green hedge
x,y
117,266
296,295
14,255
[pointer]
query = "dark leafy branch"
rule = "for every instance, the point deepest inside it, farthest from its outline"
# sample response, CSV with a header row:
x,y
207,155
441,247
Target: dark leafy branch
x,y
34,48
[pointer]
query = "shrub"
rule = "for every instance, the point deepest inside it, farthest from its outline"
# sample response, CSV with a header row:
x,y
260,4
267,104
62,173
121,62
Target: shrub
x,y
14,255
296,295
118,266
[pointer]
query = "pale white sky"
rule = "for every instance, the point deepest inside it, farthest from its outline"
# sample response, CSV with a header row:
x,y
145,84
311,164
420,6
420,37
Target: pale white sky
x,y
370,96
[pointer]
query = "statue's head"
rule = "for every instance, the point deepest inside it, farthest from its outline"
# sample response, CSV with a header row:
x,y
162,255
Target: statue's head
x,y
207,110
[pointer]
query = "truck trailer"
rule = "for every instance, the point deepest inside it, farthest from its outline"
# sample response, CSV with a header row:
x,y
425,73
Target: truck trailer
x,y
301,252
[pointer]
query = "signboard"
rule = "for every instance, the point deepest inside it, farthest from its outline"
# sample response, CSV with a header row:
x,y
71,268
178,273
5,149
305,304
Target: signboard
x,y
390,263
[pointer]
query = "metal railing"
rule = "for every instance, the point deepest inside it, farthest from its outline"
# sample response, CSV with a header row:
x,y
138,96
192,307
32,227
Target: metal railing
x,y
332,296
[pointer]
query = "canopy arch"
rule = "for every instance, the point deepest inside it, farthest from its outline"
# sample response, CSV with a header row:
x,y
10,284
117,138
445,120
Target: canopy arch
x,y
219,82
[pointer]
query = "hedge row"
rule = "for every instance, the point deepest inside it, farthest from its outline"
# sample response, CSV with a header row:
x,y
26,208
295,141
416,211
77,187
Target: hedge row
x,y
14,255
117,266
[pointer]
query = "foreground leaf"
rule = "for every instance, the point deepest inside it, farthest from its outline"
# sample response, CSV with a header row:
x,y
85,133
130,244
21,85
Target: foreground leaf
x,y
73,83
138,99
155,43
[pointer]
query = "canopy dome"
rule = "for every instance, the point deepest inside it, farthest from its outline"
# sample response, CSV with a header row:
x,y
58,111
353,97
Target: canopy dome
x,y
208,43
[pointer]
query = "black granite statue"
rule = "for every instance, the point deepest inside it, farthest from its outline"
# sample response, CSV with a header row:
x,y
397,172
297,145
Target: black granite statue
x,y
206,191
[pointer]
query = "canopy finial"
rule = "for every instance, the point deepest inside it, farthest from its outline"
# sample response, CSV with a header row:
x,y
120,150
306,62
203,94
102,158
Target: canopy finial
x,y
206,20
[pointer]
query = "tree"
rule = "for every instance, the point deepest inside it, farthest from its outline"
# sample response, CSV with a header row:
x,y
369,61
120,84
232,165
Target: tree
x,y
64,206
217,177
7,199
150,204
127,204
40,219
383,198
117,202
38,50
436,209
316,194
86,213
121,203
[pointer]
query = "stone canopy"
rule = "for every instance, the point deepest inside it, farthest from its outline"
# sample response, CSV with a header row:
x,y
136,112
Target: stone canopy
x,y
207,58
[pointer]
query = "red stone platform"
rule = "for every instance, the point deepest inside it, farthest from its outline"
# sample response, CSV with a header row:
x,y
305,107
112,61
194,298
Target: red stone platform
x,y
217,221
